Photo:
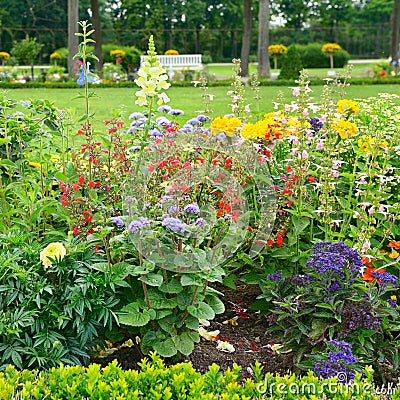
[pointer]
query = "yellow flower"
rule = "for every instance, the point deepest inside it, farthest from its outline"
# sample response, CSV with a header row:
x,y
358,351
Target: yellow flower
x,y
331,48
204,333
367,143
394,297
34,164
225,346
277,49
347,107
54,251
117,53
4,55
55,56
394,255
344,128
171,52
227,125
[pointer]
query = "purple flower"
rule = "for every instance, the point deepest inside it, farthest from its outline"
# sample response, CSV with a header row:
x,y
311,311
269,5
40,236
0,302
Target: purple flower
x,y
135,226
202,118
275,276
192,208
386,278
175,112
194,121
117,221
136,115
337,257
392,303
164,108
316,124
173,224
221,136
187,128
163,121
200,221
134,148
174,209
155,133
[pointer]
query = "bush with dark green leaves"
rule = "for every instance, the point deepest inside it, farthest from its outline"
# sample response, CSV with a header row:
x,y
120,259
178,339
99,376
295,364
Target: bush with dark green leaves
x,y
312,56
291,64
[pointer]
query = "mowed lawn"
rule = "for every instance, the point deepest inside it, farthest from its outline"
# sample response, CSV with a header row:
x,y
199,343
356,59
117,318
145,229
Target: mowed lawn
x,y
188,99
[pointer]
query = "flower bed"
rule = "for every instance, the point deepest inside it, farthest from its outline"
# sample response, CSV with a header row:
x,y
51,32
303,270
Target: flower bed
x,y
132,234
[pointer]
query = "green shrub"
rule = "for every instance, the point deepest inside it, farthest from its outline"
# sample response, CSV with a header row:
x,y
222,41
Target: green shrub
x,y
129,61
180,381
312,56
291,64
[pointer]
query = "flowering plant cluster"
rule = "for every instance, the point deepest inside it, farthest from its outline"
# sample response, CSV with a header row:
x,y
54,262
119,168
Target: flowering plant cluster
x,y
4,56
171,52
55,56
328,303
117,53
277,49
331,48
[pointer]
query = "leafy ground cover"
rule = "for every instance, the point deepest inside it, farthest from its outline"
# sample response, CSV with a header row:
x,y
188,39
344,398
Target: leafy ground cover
x,y
145,235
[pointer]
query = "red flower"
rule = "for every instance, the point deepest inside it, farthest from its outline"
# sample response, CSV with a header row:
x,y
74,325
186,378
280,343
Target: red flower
x,y
368,277
75,231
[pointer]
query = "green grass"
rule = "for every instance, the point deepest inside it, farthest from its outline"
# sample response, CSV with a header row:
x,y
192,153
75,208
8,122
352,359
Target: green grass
x,y
359,70
186,98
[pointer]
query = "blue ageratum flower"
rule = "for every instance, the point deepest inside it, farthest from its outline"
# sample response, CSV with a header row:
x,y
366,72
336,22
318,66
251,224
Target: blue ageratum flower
x,y
117,221
192,208
174,224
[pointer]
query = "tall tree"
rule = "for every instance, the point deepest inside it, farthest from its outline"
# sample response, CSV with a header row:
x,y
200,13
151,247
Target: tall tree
x,y
264,69
246,39
294,12
73,41
395,31
94,5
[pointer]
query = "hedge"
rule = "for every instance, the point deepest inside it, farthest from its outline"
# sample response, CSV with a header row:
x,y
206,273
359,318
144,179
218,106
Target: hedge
x,y
181,381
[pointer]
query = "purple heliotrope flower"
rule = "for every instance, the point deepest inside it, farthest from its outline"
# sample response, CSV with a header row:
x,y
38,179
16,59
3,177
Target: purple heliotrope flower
x,y
275,276
136,115
165,108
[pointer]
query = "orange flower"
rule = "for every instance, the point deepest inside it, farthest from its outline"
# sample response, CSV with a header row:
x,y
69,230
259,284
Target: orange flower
x,y
368,277
366,260
395,245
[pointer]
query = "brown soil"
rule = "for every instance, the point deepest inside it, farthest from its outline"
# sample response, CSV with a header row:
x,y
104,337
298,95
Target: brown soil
x,y
248,338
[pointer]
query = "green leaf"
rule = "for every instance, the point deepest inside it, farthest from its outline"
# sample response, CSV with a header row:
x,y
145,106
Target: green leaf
x,y
324,314
190,280
152,279
173,286
215,303
318,327
201,310
166,348
184,343
132,316
300,224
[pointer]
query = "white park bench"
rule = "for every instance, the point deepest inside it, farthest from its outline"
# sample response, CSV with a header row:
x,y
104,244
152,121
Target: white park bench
x,y
178,62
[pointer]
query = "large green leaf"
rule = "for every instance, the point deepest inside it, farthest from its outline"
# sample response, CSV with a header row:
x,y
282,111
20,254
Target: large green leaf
x,y
132,316
184,343
215,303
166,348
201,310
173,286
152,279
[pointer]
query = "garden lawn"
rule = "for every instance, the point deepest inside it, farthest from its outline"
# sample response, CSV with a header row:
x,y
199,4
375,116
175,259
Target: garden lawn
x,y
186,98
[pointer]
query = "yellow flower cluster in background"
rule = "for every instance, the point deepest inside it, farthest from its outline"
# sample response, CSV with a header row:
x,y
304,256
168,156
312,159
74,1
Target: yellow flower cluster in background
x,y
347,107
277,49
331,48
227,125
4,55
367,143
344,128
54,251
171,52
117,53
55,56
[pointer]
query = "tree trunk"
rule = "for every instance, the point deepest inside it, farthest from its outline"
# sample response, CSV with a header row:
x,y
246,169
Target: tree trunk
x,y
94,5
263,40
73,41
394,31
197,44
246,40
